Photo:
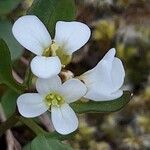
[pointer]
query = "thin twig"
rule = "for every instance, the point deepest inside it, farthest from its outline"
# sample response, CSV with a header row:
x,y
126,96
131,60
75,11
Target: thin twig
x,y
17,77
45,120
24,61
12,143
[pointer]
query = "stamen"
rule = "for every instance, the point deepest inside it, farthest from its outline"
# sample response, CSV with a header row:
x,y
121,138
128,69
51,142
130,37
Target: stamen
x,y
54,47
47,52
51,51
57,50
53,99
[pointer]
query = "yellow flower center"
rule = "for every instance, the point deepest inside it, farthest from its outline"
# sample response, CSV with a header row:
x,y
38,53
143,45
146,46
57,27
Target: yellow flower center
x,y
54,99
51,51
56,50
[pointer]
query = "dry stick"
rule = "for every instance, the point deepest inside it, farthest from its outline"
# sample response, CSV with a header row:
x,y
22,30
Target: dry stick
x,y
45,120
17,77
12,143
24,61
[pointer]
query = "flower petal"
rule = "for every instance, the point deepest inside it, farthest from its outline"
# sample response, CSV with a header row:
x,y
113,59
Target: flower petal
x,y
118,73
45,67
71,35
109,56
97,96
73,90
100,75
44,86
64,119
104,80
99,78
31,105
31,33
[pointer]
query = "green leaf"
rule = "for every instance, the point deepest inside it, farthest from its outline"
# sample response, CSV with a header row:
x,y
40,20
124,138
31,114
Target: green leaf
x,y
8,102
6,69
27,147
41,142
56,135
6,34
6,6
102,106
51,11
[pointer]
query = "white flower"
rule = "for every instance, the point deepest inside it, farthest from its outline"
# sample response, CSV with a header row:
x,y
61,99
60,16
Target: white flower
x,y
105,80
31,33
54,96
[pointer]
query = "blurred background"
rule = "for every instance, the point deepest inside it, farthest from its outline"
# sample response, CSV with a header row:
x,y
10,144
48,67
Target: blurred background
x,y
122,24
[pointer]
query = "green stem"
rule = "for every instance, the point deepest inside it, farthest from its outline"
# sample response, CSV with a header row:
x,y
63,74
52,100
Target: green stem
x,y
28,78
28,75
18,88
32,125
9,123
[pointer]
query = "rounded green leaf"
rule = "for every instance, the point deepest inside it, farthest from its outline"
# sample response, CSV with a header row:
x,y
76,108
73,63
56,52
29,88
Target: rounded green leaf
x,y
6,76
43,143
8,102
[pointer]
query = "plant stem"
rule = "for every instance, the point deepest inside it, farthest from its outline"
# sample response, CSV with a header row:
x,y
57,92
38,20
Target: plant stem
x,y
28,78
32,125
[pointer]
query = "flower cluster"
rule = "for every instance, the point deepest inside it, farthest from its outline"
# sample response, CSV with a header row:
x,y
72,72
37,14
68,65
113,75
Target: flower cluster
x,y
101,83
31,33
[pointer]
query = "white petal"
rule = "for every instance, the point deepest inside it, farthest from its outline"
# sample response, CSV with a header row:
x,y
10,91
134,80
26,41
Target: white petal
x,y
99,78
31,105
118,73
73,90
100,75
109,56
44,86
31,33
64,119
104,80
45,67
71,35
97,96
